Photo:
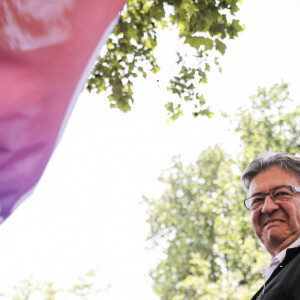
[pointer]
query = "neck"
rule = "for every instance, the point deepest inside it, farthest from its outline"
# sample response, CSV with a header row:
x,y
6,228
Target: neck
x,y
276,249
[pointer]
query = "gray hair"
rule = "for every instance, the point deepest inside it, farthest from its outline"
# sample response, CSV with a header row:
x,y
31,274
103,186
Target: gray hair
x,y
287,162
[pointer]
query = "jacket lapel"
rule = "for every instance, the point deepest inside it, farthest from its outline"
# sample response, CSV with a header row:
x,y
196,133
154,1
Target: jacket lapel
x,y
290,254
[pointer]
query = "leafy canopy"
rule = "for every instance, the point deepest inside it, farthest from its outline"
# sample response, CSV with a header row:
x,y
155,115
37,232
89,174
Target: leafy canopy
x,y
200,221
203,25
87,286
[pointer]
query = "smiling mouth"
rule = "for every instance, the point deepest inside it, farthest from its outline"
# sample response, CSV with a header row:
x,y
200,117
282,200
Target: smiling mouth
x,y
273,222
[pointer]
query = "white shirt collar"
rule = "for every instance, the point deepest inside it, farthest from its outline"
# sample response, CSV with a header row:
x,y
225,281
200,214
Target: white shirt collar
x,y
268,270
281,255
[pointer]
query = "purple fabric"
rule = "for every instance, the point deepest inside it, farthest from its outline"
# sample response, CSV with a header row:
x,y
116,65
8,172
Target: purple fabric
x,y
45,47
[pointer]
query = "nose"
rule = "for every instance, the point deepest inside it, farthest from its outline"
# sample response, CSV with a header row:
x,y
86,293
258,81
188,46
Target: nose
x,y
269,205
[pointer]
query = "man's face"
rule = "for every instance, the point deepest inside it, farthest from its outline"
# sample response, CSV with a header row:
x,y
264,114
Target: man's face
x,y
276,225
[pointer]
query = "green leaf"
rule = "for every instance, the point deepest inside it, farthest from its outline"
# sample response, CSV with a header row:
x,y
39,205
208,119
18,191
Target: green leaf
x,y
202,25
198,41
220,46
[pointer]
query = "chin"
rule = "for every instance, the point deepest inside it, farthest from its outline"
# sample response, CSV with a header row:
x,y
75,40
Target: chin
x,y
273,239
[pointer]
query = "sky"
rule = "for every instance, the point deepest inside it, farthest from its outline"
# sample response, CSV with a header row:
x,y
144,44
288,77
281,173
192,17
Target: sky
x,y
87,210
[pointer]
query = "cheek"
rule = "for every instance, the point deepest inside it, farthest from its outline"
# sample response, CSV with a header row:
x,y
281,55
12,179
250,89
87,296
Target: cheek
x,y
292,211
255,222
295,220
296,210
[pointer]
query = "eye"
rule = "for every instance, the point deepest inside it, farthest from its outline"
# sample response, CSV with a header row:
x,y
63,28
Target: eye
x,y
282,192
257,200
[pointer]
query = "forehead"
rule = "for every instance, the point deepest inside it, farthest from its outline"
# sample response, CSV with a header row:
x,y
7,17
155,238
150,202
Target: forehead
x,y
270,178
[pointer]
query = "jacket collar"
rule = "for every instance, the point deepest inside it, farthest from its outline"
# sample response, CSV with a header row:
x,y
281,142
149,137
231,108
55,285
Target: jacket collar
x,y
290,254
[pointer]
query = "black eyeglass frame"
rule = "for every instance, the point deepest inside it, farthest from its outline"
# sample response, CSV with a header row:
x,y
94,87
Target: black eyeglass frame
x,y
293,190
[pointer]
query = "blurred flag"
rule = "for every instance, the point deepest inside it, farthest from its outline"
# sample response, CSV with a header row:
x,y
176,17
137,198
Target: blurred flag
x,y
47,49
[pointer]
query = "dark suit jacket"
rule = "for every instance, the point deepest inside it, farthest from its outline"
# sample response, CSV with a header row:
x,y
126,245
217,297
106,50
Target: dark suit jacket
x,y
284,283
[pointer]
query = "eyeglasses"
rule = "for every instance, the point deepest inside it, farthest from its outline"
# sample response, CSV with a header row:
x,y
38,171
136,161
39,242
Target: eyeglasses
x,y
278,194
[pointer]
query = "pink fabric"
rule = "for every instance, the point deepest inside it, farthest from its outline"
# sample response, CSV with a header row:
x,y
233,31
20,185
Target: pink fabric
x,y
44,49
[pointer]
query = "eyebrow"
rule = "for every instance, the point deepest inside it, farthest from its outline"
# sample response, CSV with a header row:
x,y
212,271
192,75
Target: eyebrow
x,y
261,193
256,194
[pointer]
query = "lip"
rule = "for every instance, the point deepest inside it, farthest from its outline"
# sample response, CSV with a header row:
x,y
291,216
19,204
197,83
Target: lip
x,y
269,221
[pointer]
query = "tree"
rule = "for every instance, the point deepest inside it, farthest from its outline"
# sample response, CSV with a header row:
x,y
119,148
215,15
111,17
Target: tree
x,y
203,26
200,221
272,123
207,240
84,287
